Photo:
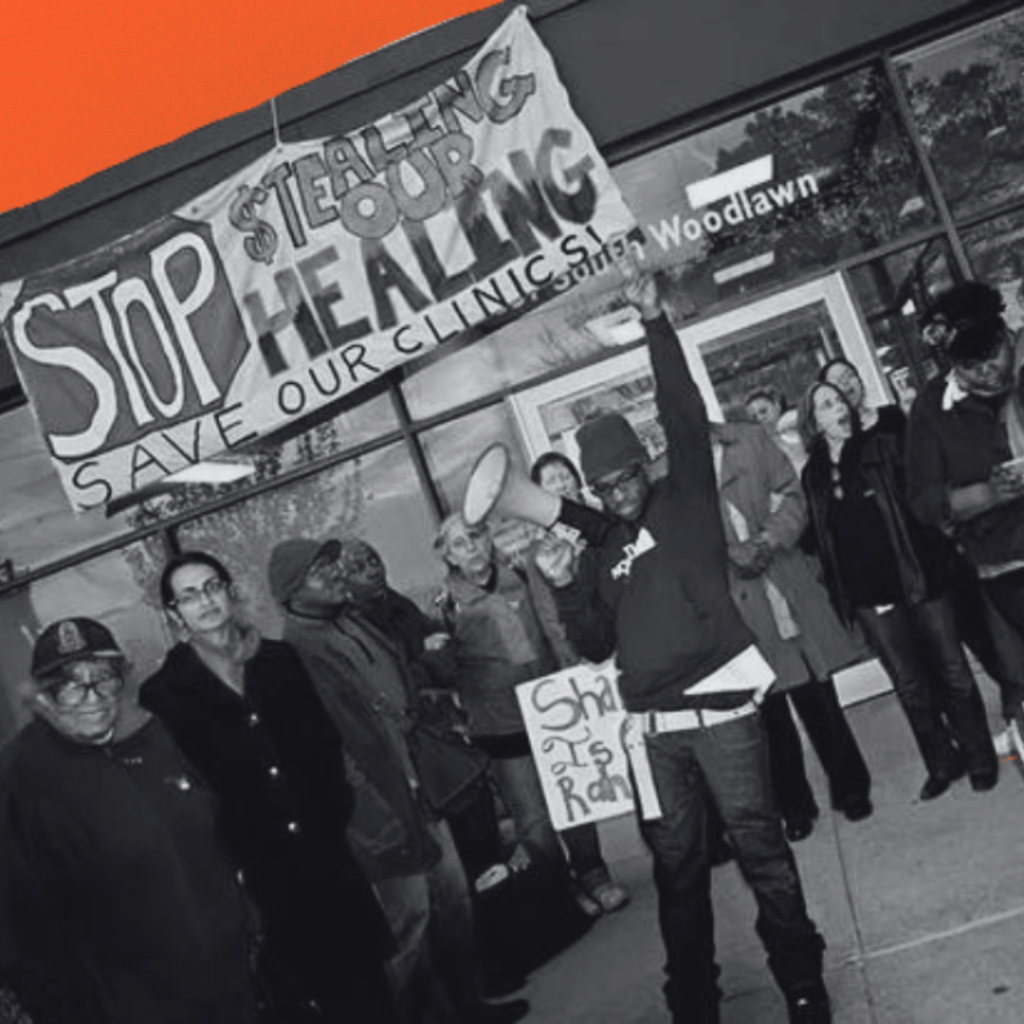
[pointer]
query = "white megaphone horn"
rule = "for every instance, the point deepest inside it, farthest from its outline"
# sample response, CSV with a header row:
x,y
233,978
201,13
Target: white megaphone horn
x,y
496,485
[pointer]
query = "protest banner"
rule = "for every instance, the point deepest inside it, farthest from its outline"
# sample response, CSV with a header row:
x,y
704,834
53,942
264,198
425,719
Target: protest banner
x,y
311,272
574,721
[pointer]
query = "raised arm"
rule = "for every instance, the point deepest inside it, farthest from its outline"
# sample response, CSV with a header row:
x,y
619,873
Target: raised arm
x,y
679,402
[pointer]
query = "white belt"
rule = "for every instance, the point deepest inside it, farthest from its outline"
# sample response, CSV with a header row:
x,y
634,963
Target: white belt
x,y
654,722
637,726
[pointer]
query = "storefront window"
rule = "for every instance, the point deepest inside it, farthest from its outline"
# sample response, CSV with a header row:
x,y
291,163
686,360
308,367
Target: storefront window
x,y
376,497
784,352
116,589
789,189
37,525
892,293
967,96
996,252
452,449
557,336
373,418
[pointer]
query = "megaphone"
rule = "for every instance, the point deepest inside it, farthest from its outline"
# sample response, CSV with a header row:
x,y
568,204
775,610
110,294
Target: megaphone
x,y
496,485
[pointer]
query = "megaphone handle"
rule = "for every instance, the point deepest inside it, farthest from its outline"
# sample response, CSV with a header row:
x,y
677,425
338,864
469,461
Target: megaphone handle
x,y
591,523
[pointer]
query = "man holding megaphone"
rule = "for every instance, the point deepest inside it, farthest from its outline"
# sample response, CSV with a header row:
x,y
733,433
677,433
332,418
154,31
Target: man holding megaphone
x,y
653,588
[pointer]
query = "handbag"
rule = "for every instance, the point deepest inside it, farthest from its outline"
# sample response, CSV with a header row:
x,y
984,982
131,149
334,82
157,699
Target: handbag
x,y
447,763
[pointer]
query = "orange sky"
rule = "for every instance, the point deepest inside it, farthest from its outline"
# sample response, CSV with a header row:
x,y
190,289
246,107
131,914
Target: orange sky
x,y
85,86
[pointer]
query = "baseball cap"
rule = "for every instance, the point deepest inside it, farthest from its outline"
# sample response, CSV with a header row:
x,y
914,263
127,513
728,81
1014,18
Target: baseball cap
x,y
69,640
291,560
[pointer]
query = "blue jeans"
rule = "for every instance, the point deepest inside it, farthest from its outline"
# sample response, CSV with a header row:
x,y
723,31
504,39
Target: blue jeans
x,y
726,764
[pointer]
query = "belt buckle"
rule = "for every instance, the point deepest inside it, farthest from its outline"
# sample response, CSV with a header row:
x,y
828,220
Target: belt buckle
x,y
652,723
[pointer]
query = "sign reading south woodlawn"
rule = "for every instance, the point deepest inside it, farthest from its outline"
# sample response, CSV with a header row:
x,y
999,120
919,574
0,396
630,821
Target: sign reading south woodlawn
x,y
311,272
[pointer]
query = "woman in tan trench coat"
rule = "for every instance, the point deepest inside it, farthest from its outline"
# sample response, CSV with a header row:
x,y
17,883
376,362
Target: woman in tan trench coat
x,y
776,589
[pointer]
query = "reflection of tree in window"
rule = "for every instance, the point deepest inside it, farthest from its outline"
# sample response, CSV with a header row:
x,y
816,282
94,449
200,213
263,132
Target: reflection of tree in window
x,y
785,353
869,187
970,115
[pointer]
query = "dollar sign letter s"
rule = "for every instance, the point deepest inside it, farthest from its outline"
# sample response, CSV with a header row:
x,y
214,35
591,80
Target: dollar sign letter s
x,y
262,243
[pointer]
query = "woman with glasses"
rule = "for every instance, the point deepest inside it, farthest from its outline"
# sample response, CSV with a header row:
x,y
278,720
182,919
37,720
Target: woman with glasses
x,y
118,902
244,711
893,575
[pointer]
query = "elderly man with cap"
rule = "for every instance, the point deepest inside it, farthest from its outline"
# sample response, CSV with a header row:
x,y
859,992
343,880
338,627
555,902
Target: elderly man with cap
x,y
118,902
363,681
656,591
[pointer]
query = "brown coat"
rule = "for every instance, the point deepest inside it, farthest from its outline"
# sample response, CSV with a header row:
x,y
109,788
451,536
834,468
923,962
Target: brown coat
x,y
759,482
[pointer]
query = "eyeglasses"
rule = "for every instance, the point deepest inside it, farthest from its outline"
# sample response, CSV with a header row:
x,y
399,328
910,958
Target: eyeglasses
x,y
72,693
606,488
213,587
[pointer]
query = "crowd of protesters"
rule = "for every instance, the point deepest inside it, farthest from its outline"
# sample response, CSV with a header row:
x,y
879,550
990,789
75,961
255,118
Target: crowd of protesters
x,y
309,829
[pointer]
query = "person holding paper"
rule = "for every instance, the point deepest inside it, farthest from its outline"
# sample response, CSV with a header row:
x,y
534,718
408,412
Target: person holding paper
x,y
965,443
656,591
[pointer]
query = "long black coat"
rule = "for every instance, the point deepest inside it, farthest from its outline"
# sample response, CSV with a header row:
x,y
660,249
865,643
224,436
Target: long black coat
x,y
275,760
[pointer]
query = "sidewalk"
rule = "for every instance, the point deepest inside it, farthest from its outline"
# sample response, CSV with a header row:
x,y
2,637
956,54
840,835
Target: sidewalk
x,y
922,907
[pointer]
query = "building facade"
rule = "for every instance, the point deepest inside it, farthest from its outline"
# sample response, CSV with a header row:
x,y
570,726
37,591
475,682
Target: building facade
x,y
806,175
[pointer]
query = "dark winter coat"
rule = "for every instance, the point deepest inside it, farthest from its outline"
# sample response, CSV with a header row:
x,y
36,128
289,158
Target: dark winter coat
x,y
924,558
276,762
118,901
388,829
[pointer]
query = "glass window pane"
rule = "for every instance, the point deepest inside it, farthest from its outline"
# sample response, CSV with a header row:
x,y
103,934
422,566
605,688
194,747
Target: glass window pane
x,y
371,419
753,203
37,525
452,449
729,212
376,497
967,96
557,336
996,252
892,294
785,352
118,589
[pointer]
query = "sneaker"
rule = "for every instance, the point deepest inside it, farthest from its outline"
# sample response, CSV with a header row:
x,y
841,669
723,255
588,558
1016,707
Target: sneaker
x,y
610,896
1003,742
588,904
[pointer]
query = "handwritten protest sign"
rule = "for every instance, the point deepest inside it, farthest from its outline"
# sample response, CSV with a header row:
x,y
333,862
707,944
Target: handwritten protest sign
x,y
574,721
310,273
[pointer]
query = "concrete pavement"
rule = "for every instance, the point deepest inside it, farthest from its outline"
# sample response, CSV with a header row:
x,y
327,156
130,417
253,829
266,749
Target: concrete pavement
x,y
922,907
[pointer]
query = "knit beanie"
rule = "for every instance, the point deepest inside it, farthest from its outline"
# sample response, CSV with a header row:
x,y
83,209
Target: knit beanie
x,y
608,444
291,560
